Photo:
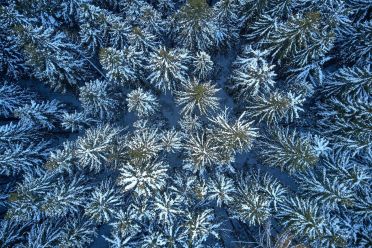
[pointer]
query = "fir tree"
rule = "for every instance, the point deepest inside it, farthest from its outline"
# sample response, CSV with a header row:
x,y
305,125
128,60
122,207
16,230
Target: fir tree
x,y
17,158
347,122
305,219
21,132
55,60
93,150
233,135
302,38
252,74
196,95
168,207
201,152
142,103
41,115
77,232
257,197
276,107
354,82
203,65
171,140
221,189
142,40
75,121
103,203
115,63
12,97
355,42
199,226
288,150
168,68
143,145
197,28
143,177
97,99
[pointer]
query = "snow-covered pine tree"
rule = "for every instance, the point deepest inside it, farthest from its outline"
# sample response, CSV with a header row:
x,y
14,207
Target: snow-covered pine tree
x,y
103,203
42,115
11,97
199,225
116,65
98,99
94,149
275,107
144,177
252,74
201,152
142,39
77,232
300,39
19,132
142,102
221,190
203,65
197,96
75,121
151,20
54,58
12,59
305,219
95,27
354,82
197,28
289,150
168,68
257,197
233,135
354,42
229,13
44,194
17,158
347,122
143,144
171,140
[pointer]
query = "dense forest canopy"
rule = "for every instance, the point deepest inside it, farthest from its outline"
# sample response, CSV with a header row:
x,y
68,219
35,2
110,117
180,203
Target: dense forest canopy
x,y
185,123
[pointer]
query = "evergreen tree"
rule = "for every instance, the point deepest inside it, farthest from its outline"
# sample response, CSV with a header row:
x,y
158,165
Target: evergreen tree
x,y
302,38
203,65
257,197
103,203
196,95
41,115
276,107
168,68
120,65
98,99
347,123
12,97
354,82
288,150
141,102
143,177
197,28
252,74
55,59
303,217
233,135
94,149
